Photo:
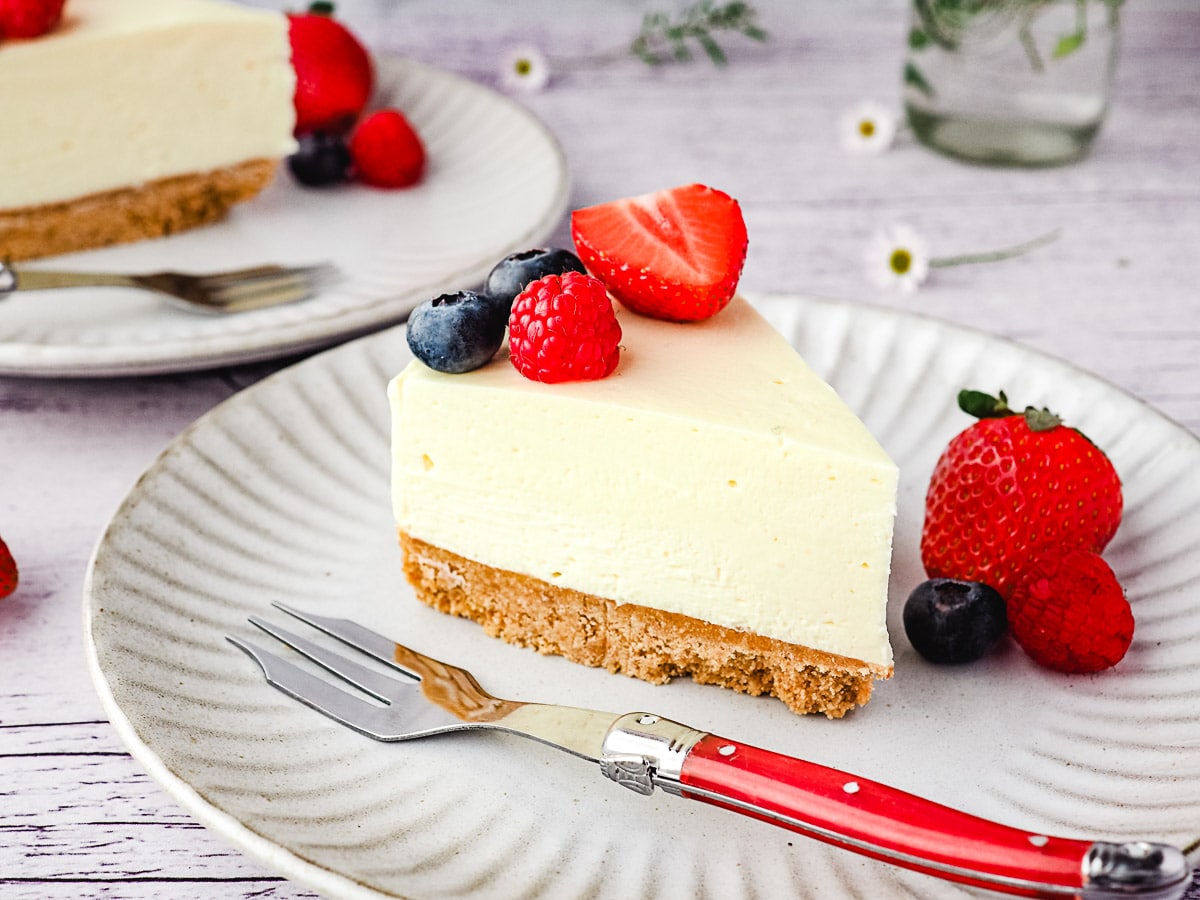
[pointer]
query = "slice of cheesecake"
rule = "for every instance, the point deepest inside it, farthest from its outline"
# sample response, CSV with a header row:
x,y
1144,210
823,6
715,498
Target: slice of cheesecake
x,y
139,118
711,509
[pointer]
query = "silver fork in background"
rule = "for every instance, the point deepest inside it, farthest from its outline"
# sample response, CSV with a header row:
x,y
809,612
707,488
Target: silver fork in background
x,y
643,751
217,292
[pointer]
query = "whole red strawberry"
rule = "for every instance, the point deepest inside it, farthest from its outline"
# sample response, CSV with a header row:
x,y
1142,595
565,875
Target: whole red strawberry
x,y
334,75
1069,612
385,150
563,328
1009,485
8,571
675,254
28,18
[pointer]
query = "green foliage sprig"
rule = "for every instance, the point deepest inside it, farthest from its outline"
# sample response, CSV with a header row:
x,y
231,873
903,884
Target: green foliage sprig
x,y
663,38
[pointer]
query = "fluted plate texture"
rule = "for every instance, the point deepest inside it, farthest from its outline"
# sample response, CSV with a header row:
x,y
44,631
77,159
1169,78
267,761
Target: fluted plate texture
x,y
281,493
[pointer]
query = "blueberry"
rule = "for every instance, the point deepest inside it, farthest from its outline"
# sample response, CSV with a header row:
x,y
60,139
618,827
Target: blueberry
x,y
516,271
455,333
949,621
320,159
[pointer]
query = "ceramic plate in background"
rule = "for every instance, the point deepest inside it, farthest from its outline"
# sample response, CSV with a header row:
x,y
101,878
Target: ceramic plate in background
x,y
281,493
496,181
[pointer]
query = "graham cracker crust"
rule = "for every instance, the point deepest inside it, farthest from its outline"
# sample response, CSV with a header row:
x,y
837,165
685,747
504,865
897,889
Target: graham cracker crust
x,y
155,209
645,643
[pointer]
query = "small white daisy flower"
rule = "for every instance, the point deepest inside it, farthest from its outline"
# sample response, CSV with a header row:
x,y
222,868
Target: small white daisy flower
x,y
524,69
867,128
898,257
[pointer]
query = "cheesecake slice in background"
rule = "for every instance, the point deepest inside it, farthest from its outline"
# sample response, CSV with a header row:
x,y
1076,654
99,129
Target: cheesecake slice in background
x,y
135,119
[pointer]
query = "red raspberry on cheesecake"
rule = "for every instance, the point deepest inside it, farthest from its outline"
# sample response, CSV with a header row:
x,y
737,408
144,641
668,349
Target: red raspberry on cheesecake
x,y
563,328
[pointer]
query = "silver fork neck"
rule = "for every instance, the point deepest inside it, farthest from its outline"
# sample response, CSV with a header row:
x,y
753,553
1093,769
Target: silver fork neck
x,y
42,279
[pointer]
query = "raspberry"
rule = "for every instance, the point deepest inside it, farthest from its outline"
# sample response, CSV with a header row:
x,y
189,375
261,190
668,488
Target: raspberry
x,y
387,153
28,18
563,328
1069,612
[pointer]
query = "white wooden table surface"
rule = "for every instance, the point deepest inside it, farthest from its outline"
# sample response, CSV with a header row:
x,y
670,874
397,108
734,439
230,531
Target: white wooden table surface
x,y
1117,295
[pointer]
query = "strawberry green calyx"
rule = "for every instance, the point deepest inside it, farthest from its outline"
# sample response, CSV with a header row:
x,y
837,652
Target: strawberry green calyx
x,y
1041,419
320,8
985,406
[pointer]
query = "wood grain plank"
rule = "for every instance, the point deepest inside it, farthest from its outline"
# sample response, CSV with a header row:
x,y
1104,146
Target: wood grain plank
x,y
118,851
56,738
155,889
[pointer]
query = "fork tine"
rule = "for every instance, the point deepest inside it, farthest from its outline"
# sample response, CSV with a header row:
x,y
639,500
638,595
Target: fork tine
x,y
284,286
260,297
251,272
248,278
380,686
341,706
352,634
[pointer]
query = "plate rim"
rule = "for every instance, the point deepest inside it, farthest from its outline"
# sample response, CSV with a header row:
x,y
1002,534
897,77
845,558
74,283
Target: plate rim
x,y
313,875
291,866
18,359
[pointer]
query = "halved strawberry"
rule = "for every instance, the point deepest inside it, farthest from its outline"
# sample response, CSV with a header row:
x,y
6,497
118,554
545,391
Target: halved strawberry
x,y
675,254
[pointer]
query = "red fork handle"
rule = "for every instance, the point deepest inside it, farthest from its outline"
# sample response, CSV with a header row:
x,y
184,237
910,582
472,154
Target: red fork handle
x,y
901,828
643,751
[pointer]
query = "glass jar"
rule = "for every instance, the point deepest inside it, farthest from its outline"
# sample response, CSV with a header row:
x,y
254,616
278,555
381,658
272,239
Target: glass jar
x,y
1010,82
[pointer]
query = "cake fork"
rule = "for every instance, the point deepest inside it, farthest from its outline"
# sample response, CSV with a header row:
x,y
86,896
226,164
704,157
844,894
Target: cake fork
x,y
642,751
217,292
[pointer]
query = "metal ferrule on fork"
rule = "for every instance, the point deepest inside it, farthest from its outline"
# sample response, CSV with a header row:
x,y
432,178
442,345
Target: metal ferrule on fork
x,y
643,751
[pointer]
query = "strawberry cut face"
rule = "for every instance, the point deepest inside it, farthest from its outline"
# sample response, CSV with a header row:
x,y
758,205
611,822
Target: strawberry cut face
x,y
675,254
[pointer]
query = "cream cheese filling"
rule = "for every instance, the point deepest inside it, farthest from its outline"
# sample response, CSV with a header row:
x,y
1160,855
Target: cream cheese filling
x,y
712,475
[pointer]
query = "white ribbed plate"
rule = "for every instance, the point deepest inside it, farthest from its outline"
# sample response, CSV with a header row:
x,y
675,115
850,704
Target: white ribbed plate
x,y
281,493
496,181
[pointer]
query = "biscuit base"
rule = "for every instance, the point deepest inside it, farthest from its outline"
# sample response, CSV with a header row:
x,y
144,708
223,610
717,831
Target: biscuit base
x,y
155,209
639,641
